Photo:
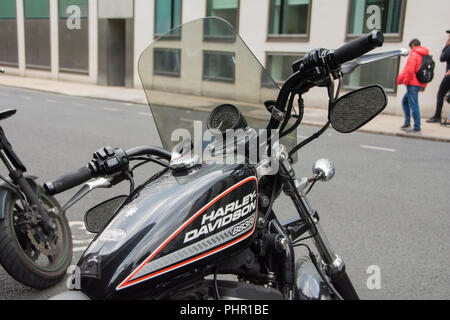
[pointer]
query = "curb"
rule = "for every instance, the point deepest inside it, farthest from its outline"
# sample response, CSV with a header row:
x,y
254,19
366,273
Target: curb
x,y
385,133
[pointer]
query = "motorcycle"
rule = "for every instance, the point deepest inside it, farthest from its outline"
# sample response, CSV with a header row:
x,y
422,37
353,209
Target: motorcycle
x,y
209,211
35,237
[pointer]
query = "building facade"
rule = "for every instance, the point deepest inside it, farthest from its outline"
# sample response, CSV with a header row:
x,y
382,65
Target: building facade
x,y
100,41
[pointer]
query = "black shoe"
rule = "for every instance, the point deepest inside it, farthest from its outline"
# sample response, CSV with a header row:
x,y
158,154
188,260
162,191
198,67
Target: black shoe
x,y
414,130
405,127
433,120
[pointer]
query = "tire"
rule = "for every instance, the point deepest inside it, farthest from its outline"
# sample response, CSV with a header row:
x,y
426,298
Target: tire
x,y
18,252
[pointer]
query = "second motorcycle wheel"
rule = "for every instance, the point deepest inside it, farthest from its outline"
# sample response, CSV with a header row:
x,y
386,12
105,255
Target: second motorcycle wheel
x,y
27,254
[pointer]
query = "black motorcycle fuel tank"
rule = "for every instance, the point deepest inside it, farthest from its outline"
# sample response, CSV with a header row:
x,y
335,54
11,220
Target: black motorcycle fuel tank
x,y
170,228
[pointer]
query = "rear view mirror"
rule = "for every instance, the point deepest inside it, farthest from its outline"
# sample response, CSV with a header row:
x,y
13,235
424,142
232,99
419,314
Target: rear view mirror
x,y
96,217
355,109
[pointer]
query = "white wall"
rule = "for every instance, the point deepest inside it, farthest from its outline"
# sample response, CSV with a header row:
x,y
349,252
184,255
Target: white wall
x,y
425,20
110,9
143,31
327,29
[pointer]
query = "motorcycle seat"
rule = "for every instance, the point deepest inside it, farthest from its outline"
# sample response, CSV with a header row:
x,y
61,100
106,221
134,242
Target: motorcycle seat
x,y
5,114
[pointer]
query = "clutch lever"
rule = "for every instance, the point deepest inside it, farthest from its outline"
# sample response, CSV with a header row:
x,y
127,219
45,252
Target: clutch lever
x,y
90,186
350,66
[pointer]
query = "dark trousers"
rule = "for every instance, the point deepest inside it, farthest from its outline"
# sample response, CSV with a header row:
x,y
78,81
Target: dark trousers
x,y
443,89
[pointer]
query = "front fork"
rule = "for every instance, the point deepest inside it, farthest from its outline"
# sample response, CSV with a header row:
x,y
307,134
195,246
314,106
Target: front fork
x,y
16,170
333,265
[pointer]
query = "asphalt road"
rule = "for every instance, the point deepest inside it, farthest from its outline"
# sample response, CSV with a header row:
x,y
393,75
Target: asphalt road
x,y
386,207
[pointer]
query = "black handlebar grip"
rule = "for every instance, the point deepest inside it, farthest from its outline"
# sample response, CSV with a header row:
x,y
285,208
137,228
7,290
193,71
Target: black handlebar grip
x,y
356,48
68,181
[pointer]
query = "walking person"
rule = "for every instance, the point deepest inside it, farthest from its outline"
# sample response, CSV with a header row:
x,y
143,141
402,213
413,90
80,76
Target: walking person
x,y
445,84
408,78
447,98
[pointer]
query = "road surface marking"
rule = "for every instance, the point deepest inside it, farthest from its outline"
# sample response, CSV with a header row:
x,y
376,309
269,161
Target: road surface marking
x,y
4,94
80,244
50,100
110,109
377,148
79,104
147,114
186,119
26,97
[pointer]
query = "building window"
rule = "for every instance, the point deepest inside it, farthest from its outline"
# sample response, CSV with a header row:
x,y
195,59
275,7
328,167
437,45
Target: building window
x,y
37,34
383,72
73,36
8,33
167,16
385,15
225,9
218,66
279,66
289,19
167,62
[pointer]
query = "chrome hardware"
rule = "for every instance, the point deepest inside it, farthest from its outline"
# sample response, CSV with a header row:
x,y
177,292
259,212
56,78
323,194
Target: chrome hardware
x,y
270,166
300,185
336,266
282,243
348,67
184,162
323,170
88,187
277,114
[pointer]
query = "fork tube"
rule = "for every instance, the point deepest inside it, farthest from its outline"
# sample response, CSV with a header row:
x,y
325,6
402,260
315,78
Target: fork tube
x,y
6,161
334,266
16,175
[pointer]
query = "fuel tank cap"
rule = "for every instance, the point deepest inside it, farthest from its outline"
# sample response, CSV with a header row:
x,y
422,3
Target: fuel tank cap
x,y
183,162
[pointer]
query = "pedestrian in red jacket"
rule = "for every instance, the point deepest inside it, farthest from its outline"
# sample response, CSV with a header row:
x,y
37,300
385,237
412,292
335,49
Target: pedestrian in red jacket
x,y
408,77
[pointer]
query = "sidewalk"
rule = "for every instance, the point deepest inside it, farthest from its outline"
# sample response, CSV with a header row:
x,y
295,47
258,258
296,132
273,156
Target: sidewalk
x,y
383,124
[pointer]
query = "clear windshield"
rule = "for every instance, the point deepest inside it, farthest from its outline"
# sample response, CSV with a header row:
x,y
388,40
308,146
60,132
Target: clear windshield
x,y
198,66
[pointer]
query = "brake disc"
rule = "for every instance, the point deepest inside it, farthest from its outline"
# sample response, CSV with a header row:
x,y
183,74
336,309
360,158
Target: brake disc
x,y
47,246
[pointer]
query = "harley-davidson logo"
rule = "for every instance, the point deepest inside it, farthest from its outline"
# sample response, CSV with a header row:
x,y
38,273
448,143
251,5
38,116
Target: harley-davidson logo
x,y
223,216
243,210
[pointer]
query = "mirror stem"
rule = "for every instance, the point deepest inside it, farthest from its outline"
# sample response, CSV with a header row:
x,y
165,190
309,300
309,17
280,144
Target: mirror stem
x,y
340,85
331,93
